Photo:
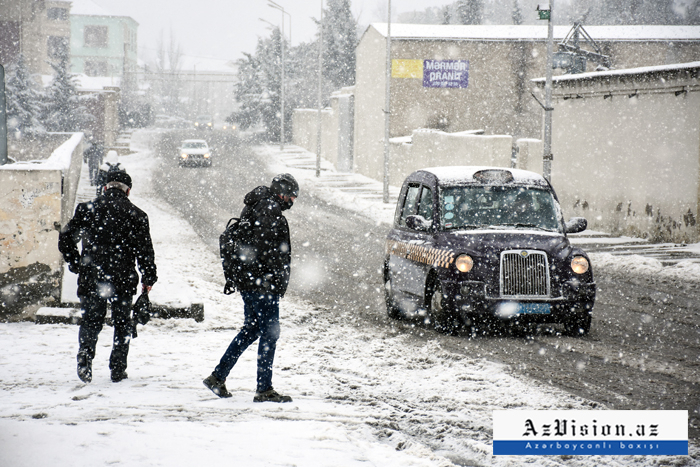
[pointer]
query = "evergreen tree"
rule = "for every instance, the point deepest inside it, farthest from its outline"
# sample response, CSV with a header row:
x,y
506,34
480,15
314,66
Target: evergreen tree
x,y
516,14
470,11
248,92
64,109
258,91
23,100
339,42
259,86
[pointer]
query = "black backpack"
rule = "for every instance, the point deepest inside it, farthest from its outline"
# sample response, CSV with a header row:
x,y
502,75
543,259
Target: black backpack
x,y
237,231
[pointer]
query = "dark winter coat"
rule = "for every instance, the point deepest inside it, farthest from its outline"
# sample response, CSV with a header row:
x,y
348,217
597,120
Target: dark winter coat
x,y
265,263
115,235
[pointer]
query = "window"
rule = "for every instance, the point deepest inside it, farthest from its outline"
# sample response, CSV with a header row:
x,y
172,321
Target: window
x,y
57,14
96,36
469,207
96,68
425,208
57,47
410,203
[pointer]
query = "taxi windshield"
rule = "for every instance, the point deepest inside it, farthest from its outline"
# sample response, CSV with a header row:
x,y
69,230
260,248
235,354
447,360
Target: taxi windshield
x,y
470,207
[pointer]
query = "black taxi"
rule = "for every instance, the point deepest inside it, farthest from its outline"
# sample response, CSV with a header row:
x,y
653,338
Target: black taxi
x,y
477,246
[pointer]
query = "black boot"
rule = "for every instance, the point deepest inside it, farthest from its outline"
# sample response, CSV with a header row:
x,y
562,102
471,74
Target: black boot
x,y
217,386
270,396
84,367
119,375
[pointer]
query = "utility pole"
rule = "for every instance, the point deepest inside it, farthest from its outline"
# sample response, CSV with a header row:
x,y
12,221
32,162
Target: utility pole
x,y
387,107
3,119
545,12
320,93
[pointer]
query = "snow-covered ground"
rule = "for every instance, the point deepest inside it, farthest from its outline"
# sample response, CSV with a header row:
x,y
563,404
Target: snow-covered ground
x,y
357,391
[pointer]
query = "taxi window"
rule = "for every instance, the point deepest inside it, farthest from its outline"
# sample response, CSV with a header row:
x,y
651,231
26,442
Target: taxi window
x,y
425,207
410,203
498,206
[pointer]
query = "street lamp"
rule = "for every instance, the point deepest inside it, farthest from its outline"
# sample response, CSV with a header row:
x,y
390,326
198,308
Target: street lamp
x,y
274,5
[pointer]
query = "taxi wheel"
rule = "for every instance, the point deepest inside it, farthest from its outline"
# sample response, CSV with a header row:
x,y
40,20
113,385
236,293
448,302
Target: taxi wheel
x,y
391,309
441,317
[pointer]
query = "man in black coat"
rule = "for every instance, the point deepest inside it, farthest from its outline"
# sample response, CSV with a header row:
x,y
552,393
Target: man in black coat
x,y
115,235
262,279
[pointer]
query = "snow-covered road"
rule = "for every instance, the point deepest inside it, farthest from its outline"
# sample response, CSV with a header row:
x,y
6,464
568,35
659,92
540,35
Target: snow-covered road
x,y
362,396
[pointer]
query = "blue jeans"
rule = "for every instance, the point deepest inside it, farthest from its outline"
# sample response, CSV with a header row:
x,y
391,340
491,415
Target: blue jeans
x,y
262,312
94,311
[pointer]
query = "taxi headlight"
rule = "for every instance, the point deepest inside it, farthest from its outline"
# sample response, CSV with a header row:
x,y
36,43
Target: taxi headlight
x,y
183,155
196,123
206,156
464,263
579,264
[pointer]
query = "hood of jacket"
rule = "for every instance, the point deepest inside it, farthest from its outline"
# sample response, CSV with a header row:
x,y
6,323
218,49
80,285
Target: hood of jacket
x,y
258,194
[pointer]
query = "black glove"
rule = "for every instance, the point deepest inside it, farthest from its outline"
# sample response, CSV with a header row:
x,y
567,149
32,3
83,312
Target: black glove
x,y
142,309
229,288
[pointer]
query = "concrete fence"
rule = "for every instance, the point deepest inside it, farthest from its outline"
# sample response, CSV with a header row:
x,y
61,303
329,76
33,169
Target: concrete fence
x,y
434,148
626,147
424,148
38,199
337,126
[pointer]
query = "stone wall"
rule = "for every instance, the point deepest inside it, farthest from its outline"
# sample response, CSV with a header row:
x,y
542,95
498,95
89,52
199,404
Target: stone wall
x,y
626,148
38,198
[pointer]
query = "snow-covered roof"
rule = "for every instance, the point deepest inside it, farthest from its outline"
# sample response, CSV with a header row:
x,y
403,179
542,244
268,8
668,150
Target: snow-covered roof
x,y
88,83
88,7
625,71
457,174
532,32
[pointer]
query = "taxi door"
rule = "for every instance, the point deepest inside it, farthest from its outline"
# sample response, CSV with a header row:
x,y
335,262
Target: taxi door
x,y
410,247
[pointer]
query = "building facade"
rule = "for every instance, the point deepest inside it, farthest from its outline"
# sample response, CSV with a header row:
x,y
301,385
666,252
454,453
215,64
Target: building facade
x,y
102,44
38,29
493,91
631,141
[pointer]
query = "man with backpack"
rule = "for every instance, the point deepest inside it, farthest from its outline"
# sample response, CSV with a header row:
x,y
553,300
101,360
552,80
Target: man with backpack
x,y
260,271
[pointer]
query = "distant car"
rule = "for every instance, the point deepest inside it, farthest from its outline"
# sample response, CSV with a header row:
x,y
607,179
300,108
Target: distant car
x,y
195,152
204,122
486,247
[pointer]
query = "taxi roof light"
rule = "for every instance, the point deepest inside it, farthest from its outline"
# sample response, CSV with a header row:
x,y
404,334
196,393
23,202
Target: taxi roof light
x,y
493,176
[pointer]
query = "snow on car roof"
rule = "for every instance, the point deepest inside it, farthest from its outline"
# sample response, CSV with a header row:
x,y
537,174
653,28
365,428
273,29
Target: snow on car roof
x,y
456,174
195,141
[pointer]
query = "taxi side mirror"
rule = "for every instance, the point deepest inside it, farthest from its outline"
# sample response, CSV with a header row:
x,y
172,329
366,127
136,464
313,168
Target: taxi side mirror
x,y
419,223
576,225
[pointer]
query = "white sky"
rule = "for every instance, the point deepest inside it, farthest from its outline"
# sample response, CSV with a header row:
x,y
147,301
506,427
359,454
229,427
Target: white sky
x,y
224,29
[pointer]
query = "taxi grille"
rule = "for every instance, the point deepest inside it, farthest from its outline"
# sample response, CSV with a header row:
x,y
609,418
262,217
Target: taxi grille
x,y
524,274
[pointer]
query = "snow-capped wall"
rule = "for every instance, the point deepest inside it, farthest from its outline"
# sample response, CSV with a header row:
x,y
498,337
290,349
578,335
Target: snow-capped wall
x,y
38,198
626,148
